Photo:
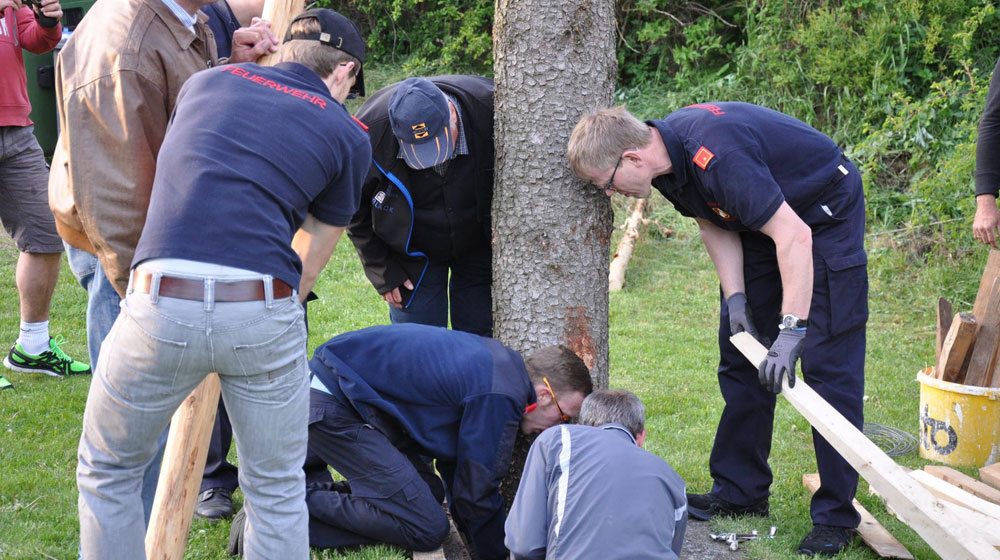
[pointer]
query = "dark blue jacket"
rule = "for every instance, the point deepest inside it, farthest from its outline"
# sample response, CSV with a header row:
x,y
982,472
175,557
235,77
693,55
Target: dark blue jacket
x,y
457,395
735,163
223,23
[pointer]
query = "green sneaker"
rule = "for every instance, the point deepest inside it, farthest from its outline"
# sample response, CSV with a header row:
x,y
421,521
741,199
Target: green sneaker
x,y
4,384
52,362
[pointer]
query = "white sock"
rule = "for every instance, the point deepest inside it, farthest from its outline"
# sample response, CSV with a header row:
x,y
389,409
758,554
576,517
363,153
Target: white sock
x,y
34,337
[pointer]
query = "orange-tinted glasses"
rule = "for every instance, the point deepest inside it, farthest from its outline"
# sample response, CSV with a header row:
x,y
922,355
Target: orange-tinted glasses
x,y
565,418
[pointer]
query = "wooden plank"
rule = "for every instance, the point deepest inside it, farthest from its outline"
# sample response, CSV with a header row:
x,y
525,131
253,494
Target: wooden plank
x,y
917,507
991,475
181,471
955,348
944,314
280,13
965,482
985,348
877,537
956,495
987,527
990,273
616,272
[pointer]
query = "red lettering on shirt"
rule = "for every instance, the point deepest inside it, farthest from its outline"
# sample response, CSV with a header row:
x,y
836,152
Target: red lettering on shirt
x,y
714,109
702,157
282,88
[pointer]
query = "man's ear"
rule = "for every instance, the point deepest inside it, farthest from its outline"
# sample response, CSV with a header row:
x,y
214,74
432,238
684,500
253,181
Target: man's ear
x,y
542,391
640,438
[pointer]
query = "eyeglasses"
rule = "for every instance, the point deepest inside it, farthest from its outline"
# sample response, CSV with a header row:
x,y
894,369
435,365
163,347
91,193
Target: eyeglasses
x,y
565,418
611,181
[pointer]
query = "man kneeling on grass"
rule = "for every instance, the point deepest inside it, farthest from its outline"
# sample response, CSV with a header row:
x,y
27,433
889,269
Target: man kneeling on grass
x,y
591,491
386,399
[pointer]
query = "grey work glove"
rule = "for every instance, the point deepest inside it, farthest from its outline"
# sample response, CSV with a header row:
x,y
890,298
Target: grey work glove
x,y
740,319
781,358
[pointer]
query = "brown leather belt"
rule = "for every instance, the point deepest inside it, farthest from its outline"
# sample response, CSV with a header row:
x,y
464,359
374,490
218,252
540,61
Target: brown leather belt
x,y
190,288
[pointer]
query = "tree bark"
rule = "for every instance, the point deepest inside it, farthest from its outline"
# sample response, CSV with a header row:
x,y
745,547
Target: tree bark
x,y
554,61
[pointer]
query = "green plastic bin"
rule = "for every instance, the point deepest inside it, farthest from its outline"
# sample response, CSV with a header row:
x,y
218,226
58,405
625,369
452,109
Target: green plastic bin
x,y
41,78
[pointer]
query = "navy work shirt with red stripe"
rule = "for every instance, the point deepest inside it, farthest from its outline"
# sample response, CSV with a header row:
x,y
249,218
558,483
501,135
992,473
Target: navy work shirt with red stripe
x,y
249,151
735,163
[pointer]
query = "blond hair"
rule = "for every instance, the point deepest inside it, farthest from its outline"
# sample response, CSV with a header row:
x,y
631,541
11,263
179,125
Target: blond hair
x,y
600,137
316,56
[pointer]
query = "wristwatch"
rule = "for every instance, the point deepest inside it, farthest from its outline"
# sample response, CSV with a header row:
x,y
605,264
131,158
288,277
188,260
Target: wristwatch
x,y
790,321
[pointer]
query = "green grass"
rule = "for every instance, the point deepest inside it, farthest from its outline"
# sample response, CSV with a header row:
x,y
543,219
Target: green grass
x,y
663,331
662,347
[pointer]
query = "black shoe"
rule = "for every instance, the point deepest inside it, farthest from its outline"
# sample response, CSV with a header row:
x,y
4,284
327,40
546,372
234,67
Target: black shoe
x,y
826,540
235,545
706,506
215,504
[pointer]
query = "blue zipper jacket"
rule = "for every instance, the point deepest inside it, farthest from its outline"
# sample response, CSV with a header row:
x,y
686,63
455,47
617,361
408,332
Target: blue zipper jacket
x,y
459,396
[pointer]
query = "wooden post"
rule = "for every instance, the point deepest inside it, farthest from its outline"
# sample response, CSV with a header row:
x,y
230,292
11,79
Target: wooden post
x,y
965,482
955,348
991,475
280,13
990,273
984,351
877,537
616,275
926,514
943,326
181,471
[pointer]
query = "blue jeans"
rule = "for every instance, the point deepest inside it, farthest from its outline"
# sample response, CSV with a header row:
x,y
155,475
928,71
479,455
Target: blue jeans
x,y
158,351
468,294
102,310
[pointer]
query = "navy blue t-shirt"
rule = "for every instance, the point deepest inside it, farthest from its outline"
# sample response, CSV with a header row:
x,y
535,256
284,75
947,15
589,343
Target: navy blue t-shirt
x,y
249,151
735,163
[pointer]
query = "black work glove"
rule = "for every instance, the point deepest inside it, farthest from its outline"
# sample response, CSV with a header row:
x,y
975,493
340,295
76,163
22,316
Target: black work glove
x,y
740,319
781,358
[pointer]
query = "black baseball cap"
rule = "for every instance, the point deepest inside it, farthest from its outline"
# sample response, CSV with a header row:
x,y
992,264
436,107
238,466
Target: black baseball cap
x,y
421,121
338,32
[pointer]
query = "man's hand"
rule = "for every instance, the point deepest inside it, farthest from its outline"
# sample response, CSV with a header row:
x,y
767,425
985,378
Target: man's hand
x,y
394,298
984,227
4,4
740,319
251,43
781,359
52,9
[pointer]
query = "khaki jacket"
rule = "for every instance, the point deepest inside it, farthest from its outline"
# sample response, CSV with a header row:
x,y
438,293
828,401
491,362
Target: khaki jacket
x,y
117,80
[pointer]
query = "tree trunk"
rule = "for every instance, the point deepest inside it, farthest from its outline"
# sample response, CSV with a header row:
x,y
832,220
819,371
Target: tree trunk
x,y
554,61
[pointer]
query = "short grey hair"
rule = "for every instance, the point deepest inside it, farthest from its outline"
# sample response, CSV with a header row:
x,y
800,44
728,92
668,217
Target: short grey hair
x,y
617,406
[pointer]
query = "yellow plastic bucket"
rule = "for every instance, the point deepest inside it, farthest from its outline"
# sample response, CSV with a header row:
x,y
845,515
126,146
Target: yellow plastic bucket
x,y
959,424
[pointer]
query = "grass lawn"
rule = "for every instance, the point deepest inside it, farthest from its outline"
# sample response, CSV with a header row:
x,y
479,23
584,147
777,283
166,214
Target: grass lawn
x,y
662,347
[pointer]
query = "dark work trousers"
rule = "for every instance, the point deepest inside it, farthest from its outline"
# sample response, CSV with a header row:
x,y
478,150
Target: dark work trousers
x,y
219,473
467,293
832,361
393,497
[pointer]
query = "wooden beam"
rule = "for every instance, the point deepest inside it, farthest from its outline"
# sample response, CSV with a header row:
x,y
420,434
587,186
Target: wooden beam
x,y
965,482
984,350
944,314
956,495
991,475
280,13
985,525
616,273
925,513
877,537
955,348
181,471
990,273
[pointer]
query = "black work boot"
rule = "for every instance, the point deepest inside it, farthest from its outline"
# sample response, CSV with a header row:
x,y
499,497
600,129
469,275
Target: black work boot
x,y
826,540
704,507
215,504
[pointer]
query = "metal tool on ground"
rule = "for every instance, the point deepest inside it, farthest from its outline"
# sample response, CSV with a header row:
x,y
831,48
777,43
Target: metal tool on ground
x,y
734,539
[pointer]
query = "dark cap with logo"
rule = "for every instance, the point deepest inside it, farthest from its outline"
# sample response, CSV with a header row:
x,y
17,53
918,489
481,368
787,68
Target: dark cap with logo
x,y
420,119
335,31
